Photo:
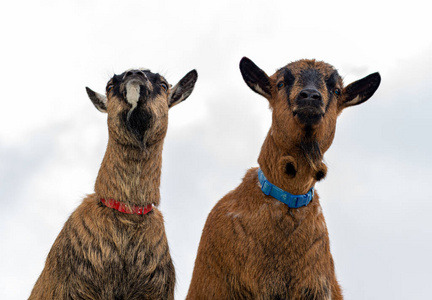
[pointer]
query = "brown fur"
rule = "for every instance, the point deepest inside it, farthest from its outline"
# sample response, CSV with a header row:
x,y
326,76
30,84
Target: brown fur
x,y
102,253
252,245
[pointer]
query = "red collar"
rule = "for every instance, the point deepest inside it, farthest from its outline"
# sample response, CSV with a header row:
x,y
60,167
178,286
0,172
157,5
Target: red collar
x,y
127,209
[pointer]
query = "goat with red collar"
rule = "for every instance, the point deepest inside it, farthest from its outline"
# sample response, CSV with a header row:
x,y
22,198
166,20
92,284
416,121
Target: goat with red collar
x,y
114,245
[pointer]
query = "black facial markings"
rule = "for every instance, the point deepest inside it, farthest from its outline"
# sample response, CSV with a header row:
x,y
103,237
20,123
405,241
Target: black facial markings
x,y
156,81
331,84
116,92
289,80
332,80
154,78
288,77
116,81
311,77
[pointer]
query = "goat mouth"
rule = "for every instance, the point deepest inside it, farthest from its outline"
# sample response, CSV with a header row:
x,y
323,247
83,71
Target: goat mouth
x,y
308,115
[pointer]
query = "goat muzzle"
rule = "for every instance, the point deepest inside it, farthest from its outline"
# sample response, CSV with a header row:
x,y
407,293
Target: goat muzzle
x,y
308,115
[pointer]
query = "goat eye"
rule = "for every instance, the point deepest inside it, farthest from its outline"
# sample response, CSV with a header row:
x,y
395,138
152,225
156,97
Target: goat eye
x,y
110,87
337,92
164,86
280,85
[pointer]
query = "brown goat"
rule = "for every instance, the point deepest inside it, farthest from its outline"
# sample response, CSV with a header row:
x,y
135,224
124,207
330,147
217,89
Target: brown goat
x,y
114,245
254,246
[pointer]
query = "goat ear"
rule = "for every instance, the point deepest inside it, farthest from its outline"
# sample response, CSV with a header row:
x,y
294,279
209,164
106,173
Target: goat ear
x,y
359,91
183,88
99,100
255,78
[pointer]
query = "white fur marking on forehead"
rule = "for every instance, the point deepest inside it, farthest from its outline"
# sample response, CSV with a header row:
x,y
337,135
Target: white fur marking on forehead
x,y
132,93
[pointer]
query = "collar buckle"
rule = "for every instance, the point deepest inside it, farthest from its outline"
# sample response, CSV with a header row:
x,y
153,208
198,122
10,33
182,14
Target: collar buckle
x,y
266,187
301,200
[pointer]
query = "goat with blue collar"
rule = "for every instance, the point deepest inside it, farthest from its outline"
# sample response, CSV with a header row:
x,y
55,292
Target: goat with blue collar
x,y
267,239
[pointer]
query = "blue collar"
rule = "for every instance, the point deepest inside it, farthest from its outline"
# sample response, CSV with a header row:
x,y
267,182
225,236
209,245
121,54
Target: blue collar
x,y
293,201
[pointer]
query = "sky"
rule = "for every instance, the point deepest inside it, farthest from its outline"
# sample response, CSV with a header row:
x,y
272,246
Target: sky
x,y
376,196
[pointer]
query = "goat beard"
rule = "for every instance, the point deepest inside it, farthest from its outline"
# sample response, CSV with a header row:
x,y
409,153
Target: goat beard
x,y
139,122
311,152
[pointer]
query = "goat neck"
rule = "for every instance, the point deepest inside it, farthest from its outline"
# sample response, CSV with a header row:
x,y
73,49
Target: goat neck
x,y
293,167
130,174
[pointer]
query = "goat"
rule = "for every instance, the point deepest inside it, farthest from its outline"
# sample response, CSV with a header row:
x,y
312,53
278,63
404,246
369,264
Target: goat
x,y
254,246
114,245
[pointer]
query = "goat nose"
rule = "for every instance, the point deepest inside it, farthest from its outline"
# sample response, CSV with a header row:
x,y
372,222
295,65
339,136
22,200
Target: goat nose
x,y
134,72
310,94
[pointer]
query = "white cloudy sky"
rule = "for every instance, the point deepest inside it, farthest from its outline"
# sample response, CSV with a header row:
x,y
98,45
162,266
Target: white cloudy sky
x,y
376,197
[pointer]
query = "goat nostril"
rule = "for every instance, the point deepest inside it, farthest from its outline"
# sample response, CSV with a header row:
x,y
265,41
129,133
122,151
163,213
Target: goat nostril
x,y
316,96
134,72
310,94
304,95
